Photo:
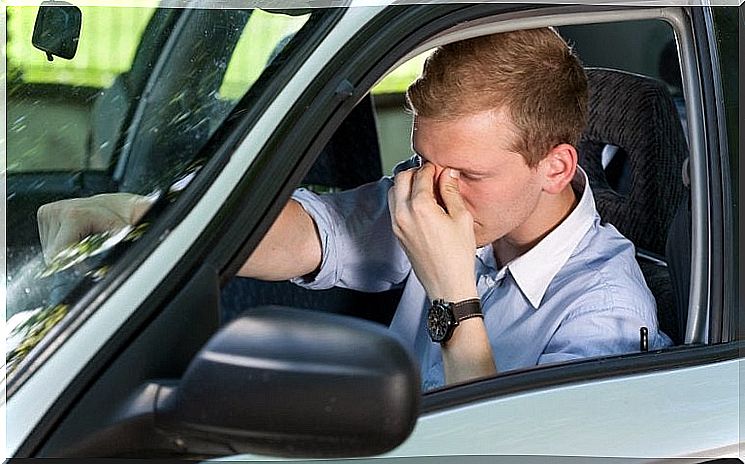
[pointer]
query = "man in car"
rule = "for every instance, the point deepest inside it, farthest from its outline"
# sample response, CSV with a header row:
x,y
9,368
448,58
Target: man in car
x,y
491,227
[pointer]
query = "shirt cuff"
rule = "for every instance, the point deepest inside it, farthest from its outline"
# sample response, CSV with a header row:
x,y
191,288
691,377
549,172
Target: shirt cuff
x,y
327,275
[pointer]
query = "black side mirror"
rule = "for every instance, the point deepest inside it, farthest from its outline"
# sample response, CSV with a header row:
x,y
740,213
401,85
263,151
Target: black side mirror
x,y
57,29
295,383
274,381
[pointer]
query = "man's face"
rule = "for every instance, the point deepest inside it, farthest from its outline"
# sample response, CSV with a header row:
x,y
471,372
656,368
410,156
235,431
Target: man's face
x,y
499,189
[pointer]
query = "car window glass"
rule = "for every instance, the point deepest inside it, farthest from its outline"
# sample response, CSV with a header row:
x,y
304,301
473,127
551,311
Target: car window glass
x,y
259,42
186,107
49,102
138,138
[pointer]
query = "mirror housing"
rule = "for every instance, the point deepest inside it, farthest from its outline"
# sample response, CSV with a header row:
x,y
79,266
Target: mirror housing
x,y
295,383
57,29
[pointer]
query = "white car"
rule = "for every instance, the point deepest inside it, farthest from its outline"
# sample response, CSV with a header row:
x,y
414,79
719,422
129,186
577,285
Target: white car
x,y
140,342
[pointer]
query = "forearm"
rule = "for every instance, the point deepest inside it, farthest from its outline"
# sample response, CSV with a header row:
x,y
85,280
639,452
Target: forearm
x,y
467,355
438,237
291,248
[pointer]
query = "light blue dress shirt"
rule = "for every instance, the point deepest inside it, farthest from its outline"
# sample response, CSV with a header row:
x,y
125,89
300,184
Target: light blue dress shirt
x,y
578,293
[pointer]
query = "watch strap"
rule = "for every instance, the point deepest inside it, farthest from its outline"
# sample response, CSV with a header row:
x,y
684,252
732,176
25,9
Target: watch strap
x,y
466,309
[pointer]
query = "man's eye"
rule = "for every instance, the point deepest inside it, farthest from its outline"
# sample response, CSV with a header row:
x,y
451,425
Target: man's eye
x,y
471,177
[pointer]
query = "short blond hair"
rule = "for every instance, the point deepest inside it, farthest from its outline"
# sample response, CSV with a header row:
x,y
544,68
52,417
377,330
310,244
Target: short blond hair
x,y
532,74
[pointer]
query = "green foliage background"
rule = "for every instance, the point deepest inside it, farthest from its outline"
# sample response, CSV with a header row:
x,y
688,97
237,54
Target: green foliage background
x,y
109,39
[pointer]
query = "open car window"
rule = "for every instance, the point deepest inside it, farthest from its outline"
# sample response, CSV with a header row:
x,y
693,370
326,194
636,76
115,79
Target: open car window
x,y
132,112
625,171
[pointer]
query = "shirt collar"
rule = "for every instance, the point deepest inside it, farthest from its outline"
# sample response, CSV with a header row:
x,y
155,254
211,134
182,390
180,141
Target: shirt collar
x,y
534,270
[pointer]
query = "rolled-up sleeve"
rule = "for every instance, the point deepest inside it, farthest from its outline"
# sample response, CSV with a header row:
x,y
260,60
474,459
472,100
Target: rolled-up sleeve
x,y
359,249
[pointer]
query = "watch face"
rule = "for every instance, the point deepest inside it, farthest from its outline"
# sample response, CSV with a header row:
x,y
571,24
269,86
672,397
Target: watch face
x,y
439,320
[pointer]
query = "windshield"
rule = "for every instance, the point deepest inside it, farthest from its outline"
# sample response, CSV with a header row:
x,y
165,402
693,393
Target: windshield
x,y
133,111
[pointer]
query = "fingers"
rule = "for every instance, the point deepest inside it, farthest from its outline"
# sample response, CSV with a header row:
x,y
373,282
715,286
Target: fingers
x,y
400,193
140,206
414,192
48,227
439,246
450,192
66,222
58,228
67,234
423,185
128,207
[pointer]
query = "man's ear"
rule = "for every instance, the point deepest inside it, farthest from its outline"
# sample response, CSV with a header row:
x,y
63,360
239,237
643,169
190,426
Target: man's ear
x,y
558,168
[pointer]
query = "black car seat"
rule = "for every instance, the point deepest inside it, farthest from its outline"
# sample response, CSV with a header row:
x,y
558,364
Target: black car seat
x,y
351,158
633,150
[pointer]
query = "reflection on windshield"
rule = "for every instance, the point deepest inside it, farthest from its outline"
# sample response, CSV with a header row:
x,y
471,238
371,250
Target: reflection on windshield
x,y
128,135
27,329
75,265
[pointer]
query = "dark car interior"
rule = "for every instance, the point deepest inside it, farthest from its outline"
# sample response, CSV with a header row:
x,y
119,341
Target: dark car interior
x,y
333,170
641,188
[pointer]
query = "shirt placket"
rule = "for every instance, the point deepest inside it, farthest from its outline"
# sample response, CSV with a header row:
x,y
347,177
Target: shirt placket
x,y
487,280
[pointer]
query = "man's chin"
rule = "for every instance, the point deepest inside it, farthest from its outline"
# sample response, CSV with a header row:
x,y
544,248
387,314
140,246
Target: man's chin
x,y
483,240
485,236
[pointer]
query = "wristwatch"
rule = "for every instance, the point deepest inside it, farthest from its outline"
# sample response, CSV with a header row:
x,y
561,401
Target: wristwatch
x,y
444,316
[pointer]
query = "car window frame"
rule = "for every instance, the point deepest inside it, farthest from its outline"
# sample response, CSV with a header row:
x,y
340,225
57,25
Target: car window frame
x,y
677,357
587,371
723,60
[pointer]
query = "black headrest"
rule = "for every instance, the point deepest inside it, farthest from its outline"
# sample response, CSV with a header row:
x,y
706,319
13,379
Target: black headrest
x,y
636,114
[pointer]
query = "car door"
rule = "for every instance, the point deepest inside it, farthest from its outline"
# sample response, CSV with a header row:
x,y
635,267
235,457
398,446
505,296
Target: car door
x,y
581,409
628,411
617,407
684,399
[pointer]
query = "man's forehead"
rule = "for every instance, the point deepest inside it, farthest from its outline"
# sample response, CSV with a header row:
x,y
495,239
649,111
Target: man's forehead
x,y
469,138
484,119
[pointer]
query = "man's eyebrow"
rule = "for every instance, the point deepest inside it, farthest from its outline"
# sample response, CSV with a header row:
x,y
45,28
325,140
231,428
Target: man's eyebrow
x,y
470,171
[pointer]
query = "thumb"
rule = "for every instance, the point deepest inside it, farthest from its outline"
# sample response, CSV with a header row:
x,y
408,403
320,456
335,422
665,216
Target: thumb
x,y
450,191
67,234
